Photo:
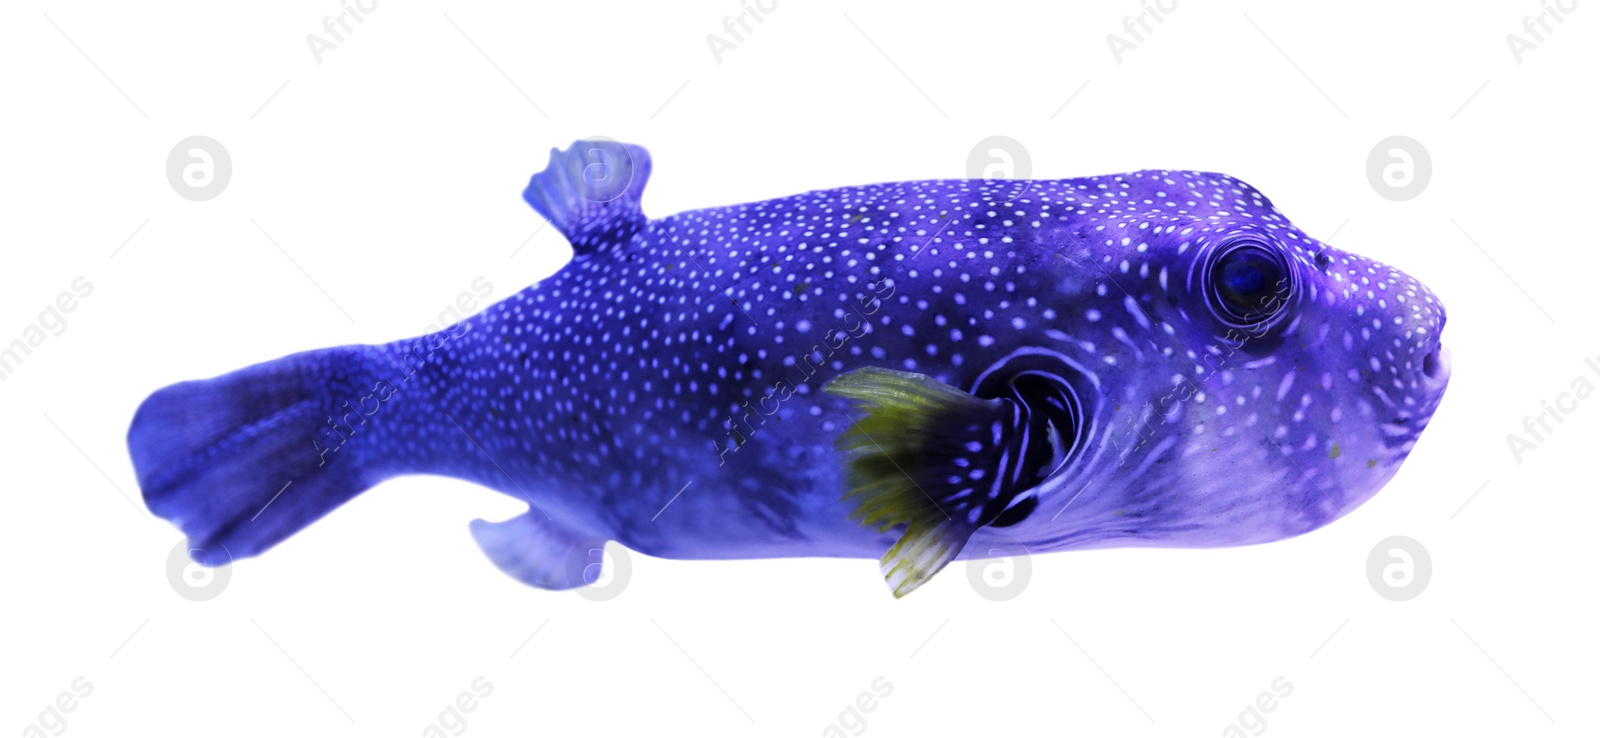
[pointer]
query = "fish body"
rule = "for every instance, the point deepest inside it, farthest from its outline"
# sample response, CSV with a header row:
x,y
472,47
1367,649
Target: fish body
x,y
931,369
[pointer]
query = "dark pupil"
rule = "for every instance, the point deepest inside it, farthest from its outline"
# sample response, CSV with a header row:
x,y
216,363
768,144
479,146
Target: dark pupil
x,y
1246,279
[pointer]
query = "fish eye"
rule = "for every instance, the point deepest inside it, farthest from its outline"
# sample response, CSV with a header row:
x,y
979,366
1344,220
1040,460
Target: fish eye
x,y
1249,283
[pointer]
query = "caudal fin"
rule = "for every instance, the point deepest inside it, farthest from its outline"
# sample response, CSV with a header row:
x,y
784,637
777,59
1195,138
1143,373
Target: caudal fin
x,y
242,461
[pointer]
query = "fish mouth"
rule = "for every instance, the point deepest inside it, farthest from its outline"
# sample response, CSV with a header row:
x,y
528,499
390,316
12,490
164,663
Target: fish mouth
x,y
1436,367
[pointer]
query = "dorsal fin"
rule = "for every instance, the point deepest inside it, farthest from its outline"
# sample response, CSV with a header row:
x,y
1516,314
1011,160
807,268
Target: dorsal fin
x,y
590,191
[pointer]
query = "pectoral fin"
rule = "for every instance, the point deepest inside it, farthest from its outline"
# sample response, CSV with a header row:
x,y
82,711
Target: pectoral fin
x,y
929,457
922,551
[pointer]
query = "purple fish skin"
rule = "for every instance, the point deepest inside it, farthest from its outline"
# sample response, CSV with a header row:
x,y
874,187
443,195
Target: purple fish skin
x,y
665,388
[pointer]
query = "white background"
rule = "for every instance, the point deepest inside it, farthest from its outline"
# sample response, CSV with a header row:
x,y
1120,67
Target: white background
x,y
389,177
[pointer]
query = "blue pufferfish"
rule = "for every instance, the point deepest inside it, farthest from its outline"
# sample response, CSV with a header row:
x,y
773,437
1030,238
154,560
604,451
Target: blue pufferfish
x,y
914,372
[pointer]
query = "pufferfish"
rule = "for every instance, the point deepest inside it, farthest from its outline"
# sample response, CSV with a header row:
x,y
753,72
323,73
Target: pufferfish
x,y
914,372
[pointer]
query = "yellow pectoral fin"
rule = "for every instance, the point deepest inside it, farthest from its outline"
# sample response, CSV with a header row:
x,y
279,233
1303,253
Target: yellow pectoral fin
x,y
921,553
899,454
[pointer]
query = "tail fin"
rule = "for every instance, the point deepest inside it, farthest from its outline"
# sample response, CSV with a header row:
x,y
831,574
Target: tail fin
x,y
242,461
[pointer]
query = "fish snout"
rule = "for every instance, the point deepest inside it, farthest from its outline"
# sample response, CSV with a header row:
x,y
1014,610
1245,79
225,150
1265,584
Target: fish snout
x,y
1436,367
1436,364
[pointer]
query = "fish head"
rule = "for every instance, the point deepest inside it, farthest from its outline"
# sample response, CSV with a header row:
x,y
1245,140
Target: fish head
x,y
1333,358
1246,382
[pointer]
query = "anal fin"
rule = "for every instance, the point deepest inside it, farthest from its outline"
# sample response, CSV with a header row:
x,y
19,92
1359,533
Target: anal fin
x,y
535,550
